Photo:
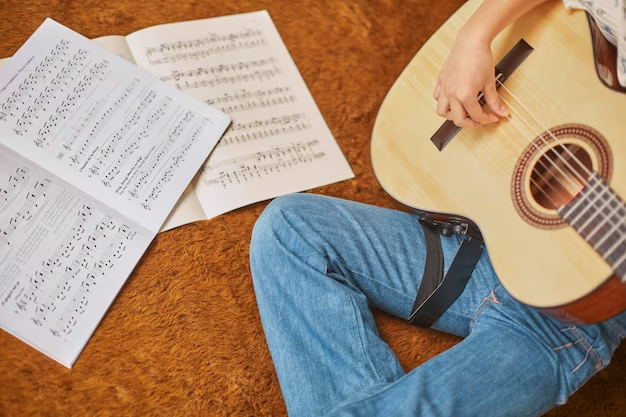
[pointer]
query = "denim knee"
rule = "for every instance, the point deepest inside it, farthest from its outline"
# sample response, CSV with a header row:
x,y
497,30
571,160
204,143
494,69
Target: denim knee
x,y
272,220
274,217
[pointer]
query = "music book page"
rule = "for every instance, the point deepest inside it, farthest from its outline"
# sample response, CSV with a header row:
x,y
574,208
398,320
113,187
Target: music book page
x,y
278,142
94,154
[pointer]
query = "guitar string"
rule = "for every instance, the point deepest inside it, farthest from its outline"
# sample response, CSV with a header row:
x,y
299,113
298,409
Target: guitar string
x,y
545,180
615,226
541,136
532,142
536,146
558,168
540,161
612,196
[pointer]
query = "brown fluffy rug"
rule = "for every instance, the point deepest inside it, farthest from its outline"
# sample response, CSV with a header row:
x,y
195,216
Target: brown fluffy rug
x,y
184,336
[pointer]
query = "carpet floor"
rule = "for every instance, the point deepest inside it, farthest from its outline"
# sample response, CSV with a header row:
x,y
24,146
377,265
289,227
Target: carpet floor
x,y
183,337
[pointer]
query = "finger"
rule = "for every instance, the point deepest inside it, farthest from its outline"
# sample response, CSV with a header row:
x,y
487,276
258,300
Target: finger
x,y
443,106
459,116
477,113
493,100
437,90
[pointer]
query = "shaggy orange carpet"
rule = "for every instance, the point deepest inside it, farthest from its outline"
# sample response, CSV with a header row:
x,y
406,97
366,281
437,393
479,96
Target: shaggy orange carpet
x,y
184,337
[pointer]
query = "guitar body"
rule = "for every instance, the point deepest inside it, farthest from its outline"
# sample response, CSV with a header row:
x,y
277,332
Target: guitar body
x,y
491,178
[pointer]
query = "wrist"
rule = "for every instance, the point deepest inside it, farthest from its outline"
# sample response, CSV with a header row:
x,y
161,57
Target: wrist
x,y
479,35
477,32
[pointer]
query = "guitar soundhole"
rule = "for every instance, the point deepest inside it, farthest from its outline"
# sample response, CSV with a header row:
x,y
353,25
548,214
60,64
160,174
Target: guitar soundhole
x,y
554,168
559,175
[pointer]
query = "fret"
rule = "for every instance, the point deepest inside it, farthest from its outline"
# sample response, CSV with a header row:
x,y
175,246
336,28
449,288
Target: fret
x,y
567,210
612,230
602,225
619,242
620,266
607,201
591,201
598,214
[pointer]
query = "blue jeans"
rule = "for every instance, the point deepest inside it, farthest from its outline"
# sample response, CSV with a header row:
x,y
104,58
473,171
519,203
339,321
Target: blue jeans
x,y
319,265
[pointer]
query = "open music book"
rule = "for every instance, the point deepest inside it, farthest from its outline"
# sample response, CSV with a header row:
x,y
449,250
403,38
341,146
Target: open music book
x,y
94,154
278,142
96,157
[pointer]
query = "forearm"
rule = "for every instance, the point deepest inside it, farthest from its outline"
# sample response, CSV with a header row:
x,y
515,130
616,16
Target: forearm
x,y
493,16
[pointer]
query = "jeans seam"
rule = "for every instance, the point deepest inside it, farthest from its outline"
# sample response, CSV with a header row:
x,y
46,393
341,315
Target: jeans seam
x,y
483,306
386,388
361,345
333,258
587,346
620,333
449,312
355,311
371,279
590,349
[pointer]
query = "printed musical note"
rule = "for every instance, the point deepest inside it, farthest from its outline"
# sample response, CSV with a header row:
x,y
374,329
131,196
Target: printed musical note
x,y
174,163
259,165
261,129
64,78
34,200
80,300
103,124
106,118
81,262
42,73
13,186
5,250
94,153
109,147
246,100
87,120
245,71
129,149
212,44
75,97
160,153
49,266
263,92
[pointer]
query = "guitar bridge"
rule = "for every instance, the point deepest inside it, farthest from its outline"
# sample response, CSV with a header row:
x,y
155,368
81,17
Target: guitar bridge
x,y
504,69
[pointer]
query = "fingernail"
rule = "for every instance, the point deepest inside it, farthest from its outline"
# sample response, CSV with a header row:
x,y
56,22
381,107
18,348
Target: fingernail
x,y
504,111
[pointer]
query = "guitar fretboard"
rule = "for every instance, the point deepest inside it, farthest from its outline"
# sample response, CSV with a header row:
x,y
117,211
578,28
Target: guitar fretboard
x,y
598,214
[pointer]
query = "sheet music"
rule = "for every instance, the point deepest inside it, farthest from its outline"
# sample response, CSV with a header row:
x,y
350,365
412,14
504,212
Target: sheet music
x,y
94,153
62,259
103,125
278,141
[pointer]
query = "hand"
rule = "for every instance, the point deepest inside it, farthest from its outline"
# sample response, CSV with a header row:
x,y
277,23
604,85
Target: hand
x,y
468,70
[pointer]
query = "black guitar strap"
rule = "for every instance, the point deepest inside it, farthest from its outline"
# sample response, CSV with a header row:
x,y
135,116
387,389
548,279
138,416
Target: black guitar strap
x,y
436,292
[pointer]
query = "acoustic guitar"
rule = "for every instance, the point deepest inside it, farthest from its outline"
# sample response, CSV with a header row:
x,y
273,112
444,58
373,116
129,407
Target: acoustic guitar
x,y
544,187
